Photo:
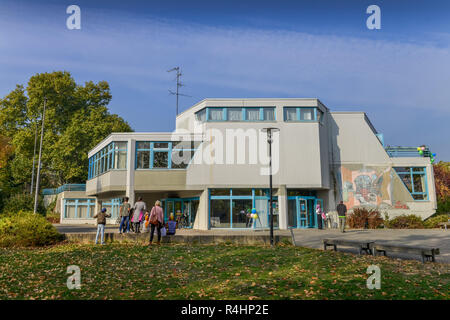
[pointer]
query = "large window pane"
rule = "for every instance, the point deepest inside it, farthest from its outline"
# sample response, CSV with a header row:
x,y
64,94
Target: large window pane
x,y
201,115
292,213
406,178
120,145
242,192
220,192
160,159
82,212
234,114
181,158
143,145
160,145
252,114
240,210
215,114
143,159
290,114
220,214
306,114
269,114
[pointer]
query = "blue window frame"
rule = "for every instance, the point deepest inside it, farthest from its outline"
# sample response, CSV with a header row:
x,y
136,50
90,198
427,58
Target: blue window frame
x,y
215,114
415,180
79,208
300,114
112,207
231,208
113,156
164,154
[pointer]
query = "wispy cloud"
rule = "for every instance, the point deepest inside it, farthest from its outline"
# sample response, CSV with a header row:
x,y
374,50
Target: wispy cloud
x,y
134,54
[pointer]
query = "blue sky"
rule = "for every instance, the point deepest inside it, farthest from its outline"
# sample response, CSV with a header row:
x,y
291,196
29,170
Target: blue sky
x,y
399,75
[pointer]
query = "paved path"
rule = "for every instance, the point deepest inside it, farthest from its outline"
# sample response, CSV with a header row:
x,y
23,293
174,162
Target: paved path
x,y
312,238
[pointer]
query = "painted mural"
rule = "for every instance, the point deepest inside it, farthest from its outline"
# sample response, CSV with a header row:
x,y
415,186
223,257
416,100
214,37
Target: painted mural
x,y
371,186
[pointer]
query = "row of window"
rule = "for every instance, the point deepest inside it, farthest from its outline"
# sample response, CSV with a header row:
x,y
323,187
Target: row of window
x,y
236,114
415,180
85,208
258,114
302,114
113,156
232,208
164,155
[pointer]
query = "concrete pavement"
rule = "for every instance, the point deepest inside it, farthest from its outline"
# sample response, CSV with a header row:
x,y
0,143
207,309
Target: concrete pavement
x,y
312,238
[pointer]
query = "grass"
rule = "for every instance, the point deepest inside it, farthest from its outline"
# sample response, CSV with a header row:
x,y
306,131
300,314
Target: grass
x,y
129,271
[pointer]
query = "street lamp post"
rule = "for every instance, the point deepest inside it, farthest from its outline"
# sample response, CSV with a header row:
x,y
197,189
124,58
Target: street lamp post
x,y
36,194
269,141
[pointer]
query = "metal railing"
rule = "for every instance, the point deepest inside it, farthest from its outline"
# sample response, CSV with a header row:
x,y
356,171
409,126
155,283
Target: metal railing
x,y
65,187
406,152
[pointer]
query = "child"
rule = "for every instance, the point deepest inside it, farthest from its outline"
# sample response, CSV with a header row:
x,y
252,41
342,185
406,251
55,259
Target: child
x,y
146,226
171,226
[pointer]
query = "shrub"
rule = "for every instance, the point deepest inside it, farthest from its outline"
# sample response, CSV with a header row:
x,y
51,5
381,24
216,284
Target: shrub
x,y
22,202
443,206
409,221
358,218
25,229
50,213
433,222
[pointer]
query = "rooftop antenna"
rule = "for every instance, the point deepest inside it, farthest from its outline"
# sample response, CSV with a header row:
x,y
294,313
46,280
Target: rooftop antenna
x,y
179,85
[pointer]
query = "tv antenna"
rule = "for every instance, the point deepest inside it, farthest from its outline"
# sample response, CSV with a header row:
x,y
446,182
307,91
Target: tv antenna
x,y
179,85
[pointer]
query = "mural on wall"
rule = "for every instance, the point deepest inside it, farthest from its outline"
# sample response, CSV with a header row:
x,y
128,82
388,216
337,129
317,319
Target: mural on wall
x,y
370,186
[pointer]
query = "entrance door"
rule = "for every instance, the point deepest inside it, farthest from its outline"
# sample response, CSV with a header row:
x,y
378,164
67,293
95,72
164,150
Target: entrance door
x,y
301,212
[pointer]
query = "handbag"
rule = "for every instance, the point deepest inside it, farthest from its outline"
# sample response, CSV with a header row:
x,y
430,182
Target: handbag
x,y
153,219
163,231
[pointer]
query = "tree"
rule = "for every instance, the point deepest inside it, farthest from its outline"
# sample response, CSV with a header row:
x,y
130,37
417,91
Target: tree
x,y
76,119
442,183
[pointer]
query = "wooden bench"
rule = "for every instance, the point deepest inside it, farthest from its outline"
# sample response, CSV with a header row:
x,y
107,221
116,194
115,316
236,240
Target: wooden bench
x,y
427,253
444,225
362,245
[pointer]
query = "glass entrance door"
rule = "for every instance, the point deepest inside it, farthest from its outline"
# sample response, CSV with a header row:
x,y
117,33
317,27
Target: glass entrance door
x,y
184,211
301,212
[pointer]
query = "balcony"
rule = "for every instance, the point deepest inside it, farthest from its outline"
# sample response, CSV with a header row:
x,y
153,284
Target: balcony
x,y
404,152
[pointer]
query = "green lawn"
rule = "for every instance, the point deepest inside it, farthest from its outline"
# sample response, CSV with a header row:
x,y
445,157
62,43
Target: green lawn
x,y
128,271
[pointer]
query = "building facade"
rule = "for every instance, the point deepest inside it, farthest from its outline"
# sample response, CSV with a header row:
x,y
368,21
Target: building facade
x,y
214,168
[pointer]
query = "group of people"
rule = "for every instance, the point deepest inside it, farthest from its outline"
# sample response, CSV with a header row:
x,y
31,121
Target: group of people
x,y
322,218
138,218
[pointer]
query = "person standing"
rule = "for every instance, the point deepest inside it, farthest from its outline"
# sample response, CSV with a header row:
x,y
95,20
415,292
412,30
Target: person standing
x,y
124,215
319,216
157,221
342,210
101,222
139,209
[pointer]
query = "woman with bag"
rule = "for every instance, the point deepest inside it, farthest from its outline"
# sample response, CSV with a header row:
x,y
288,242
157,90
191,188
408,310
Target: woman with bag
x,y
156,221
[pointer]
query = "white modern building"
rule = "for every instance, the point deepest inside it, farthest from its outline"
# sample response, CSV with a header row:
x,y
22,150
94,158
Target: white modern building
x,y
214,167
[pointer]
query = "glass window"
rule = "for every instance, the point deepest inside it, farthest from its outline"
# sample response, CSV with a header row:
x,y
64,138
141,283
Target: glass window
x,y
201,115
160,159
160,145
143,145
292,213
70,212
269,114
290,114
242,192
220,192
143,159
220,213
120,145
234,114
120,159
181,158
414,179
252,114
240,209
320,115
216,114
306,114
